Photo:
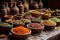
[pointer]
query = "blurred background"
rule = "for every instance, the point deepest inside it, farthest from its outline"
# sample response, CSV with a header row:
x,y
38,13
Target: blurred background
x,y
53,4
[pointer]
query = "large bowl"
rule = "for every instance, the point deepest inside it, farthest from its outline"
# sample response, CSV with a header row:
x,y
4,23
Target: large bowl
x,y
20,36
36,30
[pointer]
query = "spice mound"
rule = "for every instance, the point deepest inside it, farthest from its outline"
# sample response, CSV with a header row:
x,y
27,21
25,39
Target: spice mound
x,y
5,25
21,30
35,25
49,22
55,19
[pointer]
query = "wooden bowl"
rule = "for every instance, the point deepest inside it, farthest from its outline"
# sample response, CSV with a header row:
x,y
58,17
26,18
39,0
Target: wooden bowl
x,y
5,29
20,36
36,30
58,23
35,13
7,18
49,28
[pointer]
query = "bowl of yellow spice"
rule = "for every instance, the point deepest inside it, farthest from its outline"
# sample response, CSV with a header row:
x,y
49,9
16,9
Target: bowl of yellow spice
x,y
49,25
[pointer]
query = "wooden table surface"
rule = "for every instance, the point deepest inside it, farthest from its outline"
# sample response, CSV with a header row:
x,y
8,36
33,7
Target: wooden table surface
x,y
43,36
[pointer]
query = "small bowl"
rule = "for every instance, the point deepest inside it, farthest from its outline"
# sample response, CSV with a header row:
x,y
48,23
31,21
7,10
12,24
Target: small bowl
x,y
18,16
20,36
5,29
46,15
58,23
17,23
49,28
35,15
56,18
7,18
36,30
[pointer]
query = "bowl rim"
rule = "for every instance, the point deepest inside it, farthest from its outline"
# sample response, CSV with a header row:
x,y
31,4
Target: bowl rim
x,y
19,34
35,28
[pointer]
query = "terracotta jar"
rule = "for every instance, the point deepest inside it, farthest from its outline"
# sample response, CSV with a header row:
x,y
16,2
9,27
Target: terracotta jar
x,y
46,15
26,6
7,7
14,9
35,5
21,7
3,11
30,4
40,4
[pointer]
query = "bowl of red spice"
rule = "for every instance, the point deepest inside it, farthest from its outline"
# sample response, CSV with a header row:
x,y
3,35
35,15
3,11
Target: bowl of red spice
x,y
21,32
36,28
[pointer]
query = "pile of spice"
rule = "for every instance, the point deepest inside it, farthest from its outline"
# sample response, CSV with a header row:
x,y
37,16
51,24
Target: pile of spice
x,y
21,30
5,25
29,17
35,25
24,20
55,19
17,22
49,22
